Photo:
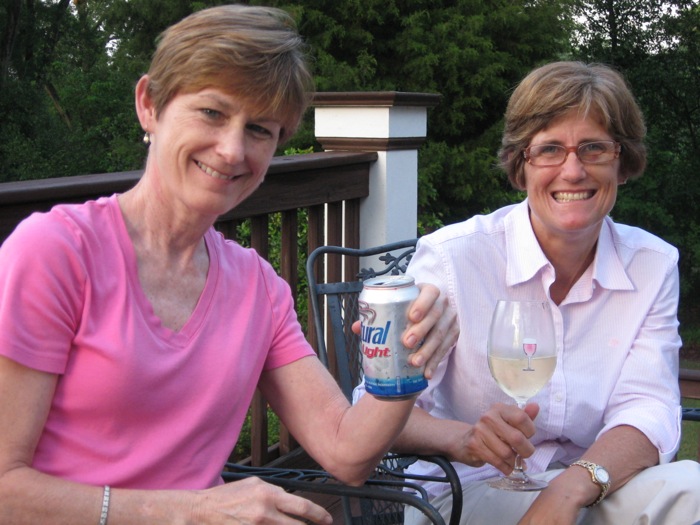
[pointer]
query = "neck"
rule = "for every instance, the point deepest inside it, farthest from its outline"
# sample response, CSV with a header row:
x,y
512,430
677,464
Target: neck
x,y
568,268
156,228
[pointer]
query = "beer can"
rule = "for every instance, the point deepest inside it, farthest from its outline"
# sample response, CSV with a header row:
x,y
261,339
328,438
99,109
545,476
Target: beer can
x,y
383,307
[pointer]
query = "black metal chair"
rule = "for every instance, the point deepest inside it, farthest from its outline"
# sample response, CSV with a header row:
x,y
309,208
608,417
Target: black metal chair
x,y
334,305
691,414
379,501
339,352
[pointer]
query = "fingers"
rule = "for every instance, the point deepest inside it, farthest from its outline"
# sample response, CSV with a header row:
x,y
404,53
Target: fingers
x,y
532,409
253,501
302,509
439,341
518,420
490,448
433,330
500,434
424,303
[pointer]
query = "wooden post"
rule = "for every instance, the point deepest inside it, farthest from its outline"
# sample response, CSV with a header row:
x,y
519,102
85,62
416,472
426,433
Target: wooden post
x,y
393,124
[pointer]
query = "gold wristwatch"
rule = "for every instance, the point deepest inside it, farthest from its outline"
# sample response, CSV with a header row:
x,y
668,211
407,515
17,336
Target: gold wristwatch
x,y
599,476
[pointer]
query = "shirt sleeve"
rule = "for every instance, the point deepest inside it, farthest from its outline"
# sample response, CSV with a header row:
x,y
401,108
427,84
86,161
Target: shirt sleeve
x,y
288,343
646,395
429,265
41,288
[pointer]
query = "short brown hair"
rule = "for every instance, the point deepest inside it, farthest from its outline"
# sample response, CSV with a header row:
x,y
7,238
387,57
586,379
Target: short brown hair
x,y
253,52
556,89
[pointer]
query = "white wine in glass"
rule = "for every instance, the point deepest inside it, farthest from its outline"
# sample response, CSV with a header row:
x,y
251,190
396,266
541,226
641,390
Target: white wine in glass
x,y
522,356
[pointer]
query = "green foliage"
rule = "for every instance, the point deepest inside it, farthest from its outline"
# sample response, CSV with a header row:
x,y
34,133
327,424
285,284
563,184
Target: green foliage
x,y
68,104
471,52
298,151
243,235
242,448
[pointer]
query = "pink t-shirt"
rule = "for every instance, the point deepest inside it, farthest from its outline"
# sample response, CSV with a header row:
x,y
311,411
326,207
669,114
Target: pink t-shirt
x,y
138,405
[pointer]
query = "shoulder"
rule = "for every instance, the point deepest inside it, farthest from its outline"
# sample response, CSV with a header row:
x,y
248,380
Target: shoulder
x,y
234,255
475,229
631,241
239,262
65,229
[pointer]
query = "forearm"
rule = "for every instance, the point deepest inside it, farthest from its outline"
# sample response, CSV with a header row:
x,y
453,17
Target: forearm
x,y
495,438
367,429
348,441
624,451
30,497
425,434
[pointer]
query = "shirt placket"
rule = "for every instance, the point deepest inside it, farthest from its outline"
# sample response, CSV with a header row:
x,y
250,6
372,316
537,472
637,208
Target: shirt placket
x,y
556,388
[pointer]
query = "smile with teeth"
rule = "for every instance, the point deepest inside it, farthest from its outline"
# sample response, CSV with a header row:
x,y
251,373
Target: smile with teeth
x,y
570,196
213,173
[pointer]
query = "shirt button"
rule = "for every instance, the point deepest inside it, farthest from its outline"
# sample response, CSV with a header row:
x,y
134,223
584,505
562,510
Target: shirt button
x,y
558,397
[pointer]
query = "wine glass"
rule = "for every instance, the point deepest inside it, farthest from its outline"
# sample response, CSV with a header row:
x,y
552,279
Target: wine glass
x,y
522,356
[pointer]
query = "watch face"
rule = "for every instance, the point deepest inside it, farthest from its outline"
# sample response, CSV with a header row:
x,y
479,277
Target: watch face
x,y
602,475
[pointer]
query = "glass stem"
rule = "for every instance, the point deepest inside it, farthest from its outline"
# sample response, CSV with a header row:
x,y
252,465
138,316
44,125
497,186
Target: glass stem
x,y
518,473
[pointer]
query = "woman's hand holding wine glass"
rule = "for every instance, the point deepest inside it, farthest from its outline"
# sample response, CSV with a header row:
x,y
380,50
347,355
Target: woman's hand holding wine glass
x,y
522,356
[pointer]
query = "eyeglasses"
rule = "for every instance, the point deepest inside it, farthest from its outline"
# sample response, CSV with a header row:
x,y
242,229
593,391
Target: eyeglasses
x,y
547,155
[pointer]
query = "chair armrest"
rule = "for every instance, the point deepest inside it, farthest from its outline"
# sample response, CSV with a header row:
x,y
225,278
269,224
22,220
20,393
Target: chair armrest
x,y
395,464
318,481
691,414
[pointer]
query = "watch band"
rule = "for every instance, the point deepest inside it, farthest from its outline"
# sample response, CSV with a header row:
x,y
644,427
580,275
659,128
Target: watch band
x,y
594,470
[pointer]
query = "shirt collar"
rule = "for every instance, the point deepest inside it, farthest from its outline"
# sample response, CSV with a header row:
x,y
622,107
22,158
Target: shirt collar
x,y
525,257
608,270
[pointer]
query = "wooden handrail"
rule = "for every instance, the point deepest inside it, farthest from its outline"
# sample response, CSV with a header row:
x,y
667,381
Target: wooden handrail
x,y
292,182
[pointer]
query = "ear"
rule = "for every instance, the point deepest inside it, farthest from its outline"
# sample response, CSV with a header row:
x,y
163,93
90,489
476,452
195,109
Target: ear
x,y
519,179
145,110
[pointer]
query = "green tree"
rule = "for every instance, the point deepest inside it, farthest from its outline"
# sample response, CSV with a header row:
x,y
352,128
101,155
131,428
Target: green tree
x,y
64,99
30,126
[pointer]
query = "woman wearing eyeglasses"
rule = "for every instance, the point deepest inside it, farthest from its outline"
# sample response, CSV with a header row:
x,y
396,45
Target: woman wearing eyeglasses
x,y
606,427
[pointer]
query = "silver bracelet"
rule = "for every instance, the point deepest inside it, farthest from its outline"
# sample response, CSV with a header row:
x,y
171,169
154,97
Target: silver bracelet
x,y
105,506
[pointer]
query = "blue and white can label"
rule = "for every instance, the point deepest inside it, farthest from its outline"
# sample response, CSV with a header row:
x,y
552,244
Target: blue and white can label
x,y
383,306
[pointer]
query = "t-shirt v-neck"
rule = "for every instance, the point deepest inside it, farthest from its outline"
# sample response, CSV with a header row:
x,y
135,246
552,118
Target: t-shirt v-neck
x,y
198,315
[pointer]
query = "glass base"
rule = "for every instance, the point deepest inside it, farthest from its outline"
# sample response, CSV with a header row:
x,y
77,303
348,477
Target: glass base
x,y
521,484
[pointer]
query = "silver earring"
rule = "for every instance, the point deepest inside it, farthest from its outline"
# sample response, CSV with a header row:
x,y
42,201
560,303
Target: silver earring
x,y
147,139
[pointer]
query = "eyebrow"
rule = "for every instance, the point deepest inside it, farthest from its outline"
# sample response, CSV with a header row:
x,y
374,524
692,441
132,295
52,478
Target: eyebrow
x,y
219,99
228,105
559,142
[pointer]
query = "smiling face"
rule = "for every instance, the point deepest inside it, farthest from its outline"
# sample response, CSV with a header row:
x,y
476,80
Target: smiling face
x,y
209,149
570,201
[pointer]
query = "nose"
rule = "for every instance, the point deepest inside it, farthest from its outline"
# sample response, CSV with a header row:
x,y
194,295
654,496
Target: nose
x,y
230,144
572,169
